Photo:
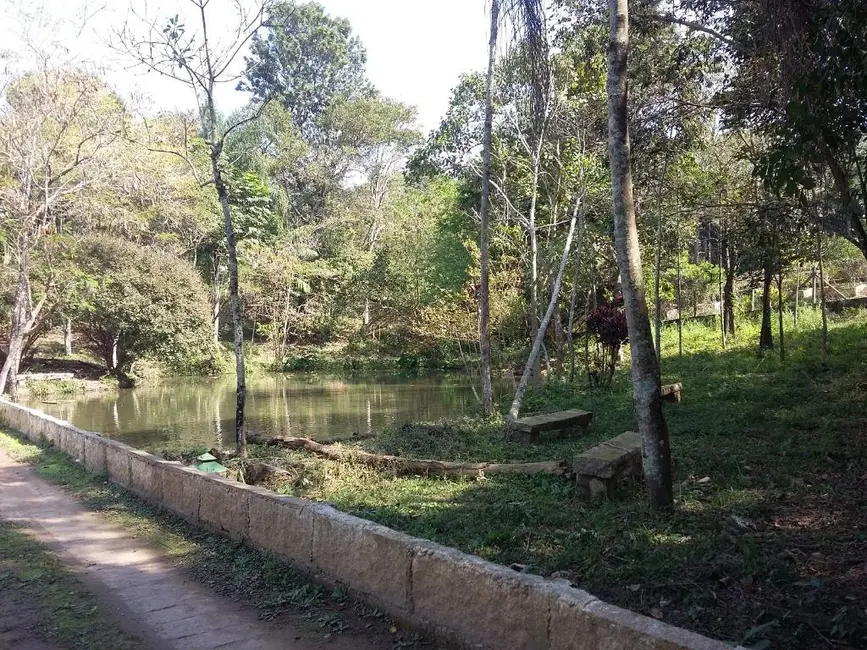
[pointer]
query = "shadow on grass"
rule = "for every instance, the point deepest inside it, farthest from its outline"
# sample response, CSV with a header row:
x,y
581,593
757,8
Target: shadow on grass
x,y
768,542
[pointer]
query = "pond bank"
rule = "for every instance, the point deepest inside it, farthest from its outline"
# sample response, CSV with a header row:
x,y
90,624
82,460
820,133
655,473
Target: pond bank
x,y
461,599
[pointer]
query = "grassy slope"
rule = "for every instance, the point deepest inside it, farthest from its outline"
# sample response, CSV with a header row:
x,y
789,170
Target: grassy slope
x,y
770,550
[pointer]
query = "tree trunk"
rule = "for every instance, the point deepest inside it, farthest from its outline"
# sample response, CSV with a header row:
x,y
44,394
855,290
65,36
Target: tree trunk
x,y
546,320
729,292
559,341
657,267
67,336
413,466
656,454
484,281
113,364
679,294
797,297
847,197
534,263
17,334
822,305
234,303
570,327
780,315
766,337
722,311
215,306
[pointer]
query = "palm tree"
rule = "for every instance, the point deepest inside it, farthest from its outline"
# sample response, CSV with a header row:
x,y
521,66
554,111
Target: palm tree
x,y
528,18
656,453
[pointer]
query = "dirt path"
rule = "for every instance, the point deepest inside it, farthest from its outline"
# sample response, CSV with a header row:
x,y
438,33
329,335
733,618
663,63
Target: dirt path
x,y
137,586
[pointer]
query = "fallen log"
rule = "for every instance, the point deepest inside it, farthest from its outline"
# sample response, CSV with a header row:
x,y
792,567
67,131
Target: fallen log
x,y
410,466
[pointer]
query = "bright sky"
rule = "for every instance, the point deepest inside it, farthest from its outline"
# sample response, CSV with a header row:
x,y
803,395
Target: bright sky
x,y
416,49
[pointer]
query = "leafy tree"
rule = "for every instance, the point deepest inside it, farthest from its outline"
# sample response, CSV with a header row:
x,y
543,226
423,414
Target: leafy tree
x,y
56,127
130,302
307,60
202,63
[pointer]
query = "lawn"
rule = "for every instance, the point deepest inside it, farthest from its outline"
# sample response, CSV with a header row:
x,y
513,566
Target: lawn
x,y
767,545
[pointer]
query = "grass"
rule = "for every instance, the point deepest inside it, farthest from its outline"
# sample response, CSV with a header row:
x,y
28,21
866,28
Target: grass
x,y
768,540
63,387
230,568
47,601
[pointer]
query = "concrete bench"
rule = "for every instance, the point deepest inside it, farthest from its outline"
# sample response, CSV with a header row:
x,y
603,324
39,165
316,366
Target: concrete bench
x,y
564,421
599,470
672,392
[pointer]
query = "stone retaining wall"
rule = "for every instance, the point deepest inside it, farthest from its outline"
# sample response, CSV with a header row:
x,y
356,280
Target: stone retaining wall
x,y
460,598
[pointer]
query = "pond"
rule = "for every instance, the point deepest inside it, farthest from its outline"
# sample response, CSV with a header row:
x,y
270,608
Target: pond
x,y
182,413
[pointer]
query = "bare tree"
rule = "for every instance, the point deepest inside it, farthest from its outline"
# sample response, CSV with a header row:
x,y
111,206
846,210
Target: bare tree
x,y
203,62
536,350
55,127
647,401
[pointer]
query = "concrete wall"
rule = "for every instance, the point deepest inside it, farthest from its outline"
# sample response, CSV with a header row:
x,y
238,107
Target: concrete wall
x,y
458,597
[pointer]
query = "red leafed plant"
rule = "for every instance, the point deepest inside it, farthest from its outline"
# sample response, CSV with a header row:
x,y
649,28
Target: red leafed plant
x,y
607,323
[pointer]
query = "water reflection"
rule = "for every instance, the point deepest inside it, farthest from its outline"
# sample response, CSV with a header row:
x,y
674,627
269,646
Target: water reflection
x,y
193,411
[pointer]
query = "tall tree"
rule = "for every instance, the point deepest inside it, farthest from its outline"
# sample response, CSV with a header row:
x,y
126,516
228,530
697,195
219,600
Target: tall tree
x,y
528,17
55,127
646,384
203,62
307,60
484,225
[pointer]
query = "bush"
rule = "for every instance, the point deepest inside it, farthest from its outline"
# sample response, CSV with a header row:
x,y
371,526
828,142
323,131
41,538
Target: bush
x,y
130,302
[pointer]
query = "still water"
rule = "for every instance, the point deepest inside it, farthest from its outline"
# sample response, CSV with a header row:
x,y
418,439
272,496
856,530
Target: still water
x,y
199,412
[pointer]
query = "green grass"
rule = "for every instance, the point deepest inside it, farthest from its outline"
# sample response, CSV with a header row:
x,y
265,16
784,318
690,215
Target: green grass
x,y
769,549
48,601
63,387
233,569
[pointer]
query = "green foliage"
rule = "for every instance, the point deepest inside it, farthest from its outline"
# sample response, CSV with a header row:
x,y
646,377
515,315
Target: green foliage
x,y
131,302
306,59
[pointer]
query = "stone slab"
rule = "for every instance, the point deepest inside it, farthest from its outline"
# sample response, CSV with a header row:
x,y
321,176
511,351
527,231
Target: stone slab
x,y
370,559
182,490
94,453
553,421
117,463
580,624
613,458
223,506
282,525
477,603
72,442
145,477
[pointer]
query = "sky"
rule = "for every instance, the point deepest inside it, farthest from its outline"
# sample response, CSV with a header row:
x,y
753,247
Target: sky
x,y
416,49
